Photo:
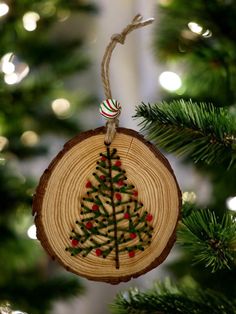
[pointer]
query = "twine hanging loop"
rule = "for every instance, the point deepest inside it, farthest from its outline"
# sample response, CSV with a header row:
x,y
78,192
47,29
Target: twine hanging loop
x,y
136,23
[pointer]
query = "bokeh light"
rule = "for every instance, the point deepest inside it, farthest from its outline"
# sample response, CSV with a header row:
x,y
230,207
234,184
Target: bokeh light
x,y
195,28
4,9
170,81
61,107
30,20
231,203
189,197
32,233
29,138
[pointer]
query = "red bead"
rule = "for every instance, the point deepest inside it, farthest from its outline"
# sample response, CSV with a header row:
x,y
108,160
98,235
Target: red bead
x,y
102,177
118,163
132,235
95,207
131,253
118,196
120,183
135,193
103,158
149,217
126,215
98,252
89,225
88,184
74,242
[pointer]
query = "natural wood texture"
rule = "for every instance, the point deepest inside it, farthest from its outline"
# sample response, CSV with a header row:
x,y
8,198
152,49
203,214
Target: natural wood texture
x,y
56,203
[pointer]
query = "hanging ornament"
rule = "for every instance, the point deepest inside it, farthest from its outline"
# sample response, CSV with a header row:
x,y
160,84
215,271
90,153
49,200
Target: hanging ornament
x,y
108,205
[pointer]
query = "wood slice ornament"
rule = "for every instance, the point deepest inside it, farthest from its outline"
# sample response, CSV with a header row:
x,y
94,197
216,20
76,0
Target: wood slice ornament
x,y
108,205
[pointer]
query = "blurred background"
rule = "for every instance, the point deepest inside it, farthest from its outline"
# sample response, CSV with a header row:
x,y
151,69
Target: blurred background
x,y
50,89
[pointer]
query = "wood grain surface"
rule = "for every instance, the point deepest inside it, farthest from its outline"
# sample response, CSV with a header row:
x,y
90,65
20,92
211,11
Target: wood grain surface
x,y
57,202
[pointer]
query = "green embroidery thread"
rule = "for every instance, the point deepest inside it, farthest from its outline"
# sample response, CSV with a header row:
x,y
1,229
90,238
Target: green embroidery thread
x,y
113,220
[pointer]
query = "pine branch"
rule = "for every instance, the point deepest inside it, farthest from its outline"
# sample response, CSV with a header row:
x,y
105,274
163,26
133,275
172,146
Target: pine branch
x,y
210,58
187,209
210,240
51,56
166,298
199,131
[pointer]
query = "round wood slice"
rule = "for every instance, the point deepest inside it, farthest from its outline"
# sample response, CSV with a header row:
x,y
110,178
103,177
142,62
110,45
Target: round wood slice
x,y
108,213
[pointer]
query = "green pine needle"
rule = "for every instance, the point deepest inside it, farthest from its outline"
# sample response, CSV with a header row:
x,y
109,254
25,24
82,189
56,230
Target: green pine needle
x,y
199,131
187,209
210,240
166,298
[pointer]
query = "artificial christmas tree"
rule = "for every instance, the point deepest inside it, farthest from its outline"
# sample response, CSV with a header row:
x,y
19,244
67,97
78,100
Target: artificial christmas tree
x,y
35,60
197,122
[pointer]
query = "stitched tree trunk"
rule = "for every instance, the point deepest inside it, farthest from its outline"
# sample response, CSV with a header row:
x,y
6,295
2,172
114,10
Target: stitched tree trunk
x,y
110,214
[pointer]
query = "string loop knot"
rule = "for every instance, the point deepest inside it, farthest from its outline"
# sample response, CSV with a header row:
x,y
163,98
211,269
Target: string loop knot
x,y
137,22
118,38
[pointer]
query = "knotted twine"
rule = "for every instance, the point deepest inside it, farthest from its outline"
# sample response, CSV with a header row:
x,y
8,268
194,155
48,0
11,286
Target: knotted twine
x,y
136,23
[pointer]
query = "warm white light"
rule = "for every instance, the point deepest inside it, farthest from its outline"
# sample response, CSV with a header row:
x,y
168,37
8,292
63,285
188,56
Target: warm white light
x,y
16,77
170,81
30,20
189,197
207,34
4,8
7,66
15,70
29,138
3,142
11,79
32,234
61,107
195,28
231,203
7,57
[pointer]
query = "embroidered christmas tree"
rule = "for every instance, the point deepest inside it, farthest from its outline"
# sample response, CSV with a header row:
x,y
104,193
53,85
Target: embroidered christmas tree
x,y
111,219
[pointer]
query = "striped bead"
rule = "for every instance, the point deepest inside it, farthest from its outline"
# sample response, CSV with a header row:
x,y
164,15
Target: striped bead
x,y
110,109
